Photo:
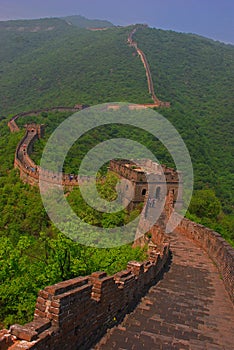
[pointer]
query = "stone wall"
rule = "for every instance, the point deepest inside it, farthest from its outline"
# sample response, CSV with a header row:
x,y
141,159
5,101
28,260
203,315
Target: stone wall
x,y
216,247
132,43
14,127
159,181
30,172
74,314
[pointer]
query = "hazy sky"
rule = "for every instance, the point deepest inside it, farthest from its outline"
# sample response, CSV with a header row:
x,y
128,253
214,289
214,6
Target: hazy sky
x,y
210,18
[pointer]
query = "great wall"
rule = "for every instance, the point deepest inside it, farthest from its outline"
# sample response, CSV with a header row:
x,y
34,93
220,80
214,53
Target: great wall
x,y
157,103
29,171
180,298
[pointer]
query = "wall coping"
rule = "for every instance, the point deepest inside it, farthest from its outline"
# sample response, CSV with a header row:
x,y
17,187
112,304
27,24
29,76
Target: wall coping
x,y
76,313
217,248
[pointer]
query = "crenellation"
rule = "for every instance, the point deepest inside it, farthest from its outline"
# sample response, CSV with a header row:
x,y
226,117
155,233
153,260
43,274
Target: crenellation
x,y
214,245
82,309
148,180
79,311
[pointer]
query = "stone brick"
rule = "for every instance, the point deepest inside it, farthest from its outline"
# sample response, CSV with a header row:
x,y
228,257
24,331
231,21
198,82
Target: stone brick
x,y
40,307
23,332
79,311
98,275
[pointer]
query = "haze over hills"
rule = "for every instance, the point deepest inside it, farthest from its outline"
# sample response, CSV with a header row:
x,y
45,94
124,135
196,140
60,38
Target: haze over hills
x,y
58,61
83,22
51,62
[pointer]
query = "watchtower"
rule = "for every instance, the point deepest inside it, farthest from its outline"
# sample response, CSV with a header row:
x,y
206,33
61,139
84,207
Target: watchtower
x,y
148,180
38,129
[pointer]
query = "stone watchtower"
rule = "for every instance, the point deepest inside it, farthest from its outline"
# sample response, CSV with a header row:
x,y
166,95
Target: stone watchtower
x,y
39,129
148,180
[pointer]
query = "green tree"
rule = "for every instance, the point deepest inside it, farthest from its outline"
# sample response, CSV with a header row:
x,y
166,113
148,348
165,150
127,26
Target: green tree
x,y
205,204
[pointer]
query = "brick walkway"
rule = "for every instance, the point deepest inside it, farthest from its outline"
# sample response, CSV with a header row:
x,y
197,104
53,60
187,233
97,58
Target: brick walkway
x,y
188,309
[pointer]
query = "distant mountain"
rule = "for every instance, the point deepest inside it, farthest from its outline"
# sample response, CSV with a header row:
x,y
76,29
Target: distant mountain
x,y
49,62
58,62
31,25
83,22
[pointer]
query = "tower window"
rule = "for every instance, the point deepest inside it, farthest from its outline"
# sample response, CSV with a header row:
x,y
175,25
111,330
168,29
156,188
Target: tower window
x,y
143,192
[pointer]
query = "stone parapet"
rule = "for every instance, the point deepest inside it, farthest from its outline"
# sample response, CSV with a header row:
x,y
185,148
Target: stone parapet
x,y
215,246
74,314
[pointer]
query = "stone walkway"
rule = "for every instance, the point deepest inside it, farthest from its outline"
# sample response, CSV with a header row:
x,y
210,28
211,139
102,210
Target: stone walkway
x,y
189,309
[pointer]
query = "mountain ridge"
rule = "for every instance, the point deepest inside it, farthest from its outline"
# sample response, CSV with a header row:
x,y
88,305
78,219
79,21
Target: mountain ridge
x,y
83,22
70,65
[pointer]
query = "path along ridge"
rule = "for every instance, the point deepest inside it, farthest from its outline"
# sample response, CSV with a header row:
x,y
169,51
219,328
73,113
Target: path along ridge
x,y
157,101
189,309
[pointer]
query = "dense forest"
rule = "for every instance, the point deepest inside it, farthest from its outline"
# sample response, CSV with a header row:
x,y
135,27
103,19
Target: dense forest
x,y
52,62
33,252
206,206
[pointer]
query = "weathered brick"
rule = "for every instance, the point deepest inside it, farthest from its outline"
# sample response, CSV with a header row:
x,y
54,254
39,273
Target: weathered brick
x,y
71,308
39,313
23,333
40,307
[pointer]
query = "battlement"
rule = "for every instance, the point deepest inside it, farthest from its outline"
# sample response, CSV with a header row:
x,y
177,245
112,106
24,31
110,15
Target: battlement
x,y
147,179
157,103
38,129
137,171
74,314
214,245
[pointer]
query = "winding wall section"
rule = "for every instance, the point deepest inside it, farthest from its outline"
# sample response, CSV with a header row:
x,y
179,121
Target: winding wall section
x,y
189,309
132,43
29,171
14,127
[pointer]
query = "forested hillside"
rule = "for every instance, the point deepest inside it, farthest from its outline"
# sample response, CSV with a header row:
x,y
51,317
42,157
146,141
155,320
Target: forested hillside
x,y
55,63
197,76
83,22
51,62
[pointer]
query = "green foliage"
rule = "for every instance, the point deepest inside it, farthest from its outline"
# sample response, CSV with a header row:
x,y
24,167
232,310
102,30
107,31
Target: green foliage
x,y
205,208
32,264
66,65
33,254
93,138
205,204
49,62
196,75
83,22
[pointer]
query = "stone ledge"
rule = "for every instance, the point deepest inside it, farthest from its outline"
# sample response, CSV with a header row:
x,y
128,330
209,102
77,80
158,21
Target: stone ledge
x,y
79,311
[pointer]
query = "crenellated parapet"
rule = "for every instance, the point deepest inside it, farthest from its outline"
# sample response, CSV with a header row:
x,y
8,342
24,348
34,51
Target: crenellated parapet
x,y
30,172
74,314
214,245
147,179
14,127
